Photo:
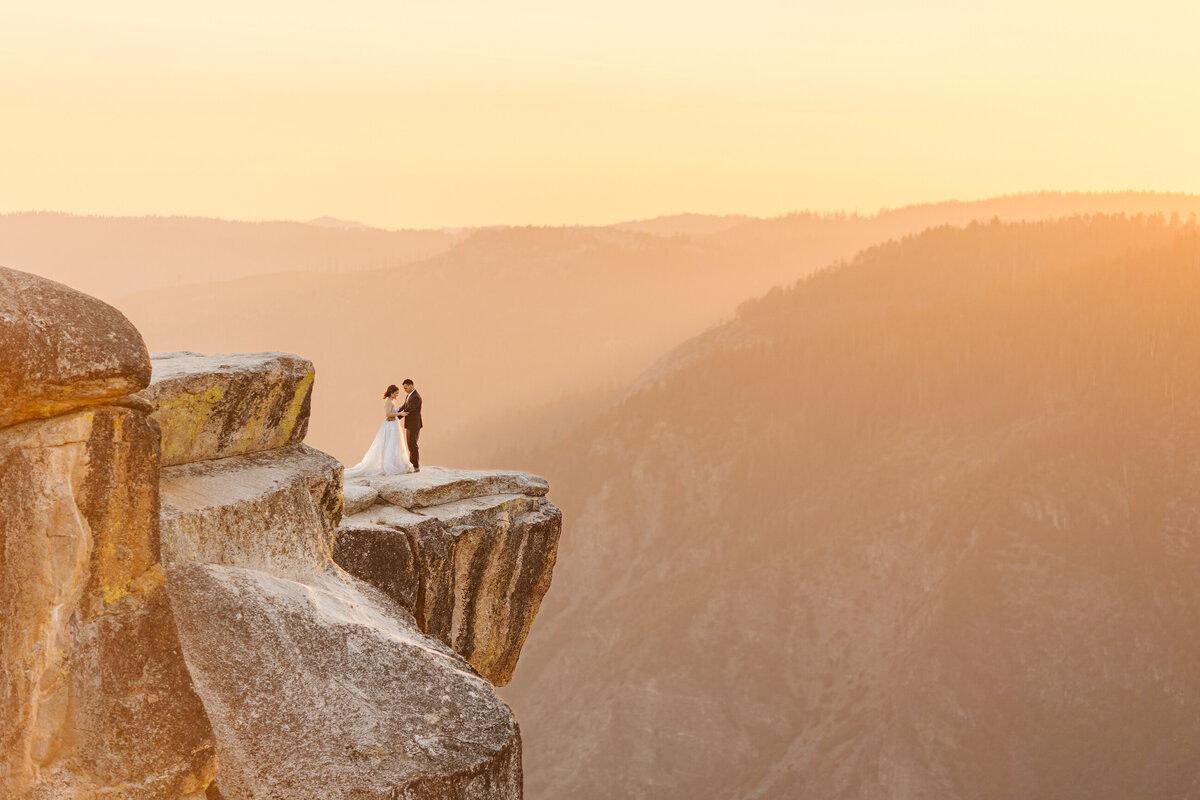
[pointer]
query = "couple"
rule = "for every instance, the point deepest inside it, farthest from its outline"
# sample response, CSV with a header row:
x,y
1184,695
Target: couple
x,y
386,456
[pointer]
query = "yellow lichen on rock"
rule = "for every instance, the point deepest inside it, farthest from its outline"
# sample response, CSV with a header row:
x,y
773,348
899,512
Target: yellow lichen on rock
x,y
219,406
87,633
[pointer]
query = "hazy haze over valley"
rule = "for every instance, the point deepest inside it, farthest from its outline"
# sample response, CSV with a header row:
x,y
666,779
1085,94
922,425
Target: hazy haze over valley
x,y
498,325
915,525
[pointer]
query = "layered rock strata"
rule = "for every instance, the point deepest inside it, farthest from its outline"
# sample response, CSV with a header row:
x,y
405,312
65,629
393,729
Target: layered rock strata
x,y
470,554
323,687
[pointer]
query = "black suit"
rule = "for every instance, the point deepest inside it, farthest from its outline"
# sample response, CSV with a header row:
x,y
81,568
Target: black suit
x,y
412,426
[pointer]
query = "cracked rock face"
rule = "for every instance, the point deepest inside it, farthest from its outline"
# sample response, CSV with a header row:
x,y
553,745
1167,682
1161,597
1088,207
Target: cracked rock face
x,y
471,556
61,349
95,700
323,690
226,405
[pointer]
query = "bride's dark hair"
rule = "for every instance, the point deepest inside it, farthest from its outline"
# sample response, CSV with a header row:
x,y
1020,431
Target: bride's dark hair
x,y
391,388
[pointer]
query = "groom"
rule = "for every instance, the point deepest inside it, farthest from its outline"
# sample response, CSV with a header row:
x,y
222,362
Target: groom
x,y
411,411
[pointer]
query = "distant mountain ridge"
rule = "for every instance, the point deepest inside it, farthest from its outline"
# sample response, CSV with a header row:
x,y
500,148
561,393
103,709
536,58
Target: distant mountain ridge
x,y
113,256
684,224
340,224
110,257
598,304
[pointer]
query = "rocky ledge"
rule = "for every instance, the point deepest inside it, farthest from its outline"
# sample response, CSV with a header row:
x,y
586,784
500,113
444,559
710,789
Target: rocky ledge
x,y
176,622
469,553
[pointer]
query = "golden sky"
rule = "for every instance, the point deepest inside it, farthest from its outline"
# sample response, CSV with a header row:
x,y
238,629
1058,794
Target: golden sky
x,y
404,114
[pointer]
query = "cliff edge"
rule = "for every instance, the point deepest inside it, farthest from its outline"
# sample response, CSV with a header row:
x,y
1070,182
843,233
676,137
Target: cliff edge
x,y
197,606
469,554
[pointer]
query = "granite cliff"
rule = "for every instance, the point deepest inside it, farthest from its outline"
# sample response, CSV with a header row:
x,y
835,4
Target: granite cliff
x,y
189,610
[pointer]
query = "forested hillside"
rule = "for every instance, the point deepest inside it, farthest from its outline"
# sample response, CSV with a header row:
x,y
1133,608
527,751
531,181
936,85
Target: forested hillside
x,y
923,525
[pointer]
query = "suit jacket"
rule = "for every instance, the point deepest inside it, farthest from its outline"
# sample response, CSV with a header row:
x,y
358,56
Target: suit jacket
x,y
412,404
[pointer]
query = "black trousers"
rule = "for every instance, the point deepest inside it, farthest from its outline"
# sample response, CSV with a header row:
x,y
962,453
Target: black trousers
x,y
414,452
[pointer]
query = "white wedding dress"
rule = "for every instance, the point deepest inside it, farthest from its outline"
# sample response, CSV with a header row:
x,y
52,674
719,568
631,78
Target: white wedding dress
x,y
387,455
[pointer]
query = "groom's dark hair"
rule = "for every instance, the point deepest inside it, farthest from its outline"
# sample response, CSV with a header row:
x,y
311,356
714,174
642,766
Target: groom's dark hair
x,y
407,382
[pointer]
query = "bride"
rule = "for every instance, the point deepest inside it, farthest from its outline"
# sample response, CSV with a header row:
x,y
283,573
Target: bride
x,y
387,454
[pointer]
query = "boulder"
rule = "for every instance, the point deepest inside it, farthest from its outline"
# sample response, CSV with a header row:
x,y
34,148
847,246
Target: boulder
x,y
327,690
62,350
274,510
95,699
476,568
226,405
436,485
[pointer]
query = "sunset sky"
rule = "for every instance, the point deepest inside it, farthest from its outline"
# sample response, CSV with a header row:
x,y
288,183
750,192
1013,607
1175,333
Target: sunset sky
x,y
453,113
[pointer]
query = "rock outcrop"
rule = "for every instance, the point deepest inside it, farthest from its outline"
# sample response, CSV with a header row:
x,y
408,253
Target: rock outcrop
x,y
95,700
274,510
175,620
322,687
61,349
225,405
469,553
